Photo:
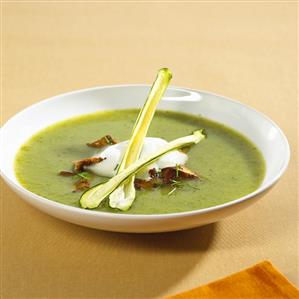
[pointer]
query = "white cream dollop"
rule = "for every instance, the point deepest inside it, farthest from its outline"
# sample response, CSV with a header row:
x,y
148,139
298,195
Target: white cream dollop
x,y
114,153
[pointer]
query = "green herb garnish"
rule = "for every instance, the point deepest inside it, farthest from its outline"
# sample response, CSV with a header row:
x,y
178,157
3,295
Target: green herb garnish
x,y
173,190
83,175
180,184
193,187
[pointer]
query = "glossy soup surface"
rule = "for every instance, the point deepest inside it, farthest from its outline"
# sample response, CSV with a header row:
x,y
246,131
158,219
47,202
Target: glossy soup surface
x,y
229,164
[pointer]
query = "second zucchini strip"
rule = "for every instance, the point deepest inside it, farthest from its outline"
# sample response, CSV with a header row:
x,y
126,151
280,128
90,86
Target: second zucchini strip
x,y
127,191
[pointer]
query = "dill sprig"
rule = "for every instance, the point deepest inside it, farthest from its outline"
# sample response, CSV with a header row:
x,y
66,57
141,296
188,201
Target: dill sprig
x,y
83,175
173,190
179,185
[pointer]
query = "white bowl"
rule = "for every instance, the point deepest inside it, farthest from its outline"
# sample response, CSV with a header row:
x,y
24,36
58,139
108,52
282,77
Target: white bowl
x,y
260,129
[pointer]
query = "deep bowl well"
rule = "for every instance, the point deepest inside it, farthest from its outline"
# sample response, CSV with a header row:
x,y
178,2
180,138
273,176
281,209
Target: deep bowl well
x,y
257,127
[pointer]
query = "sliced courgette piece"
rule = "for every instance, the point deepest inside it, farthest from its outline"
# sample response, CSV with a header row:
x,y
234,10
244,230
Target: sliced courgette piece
x,y
126,192
95,195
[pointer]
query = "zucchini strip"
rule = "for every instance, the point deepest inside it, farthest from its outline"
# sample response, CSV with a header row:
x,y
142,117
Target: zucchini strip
x,y
95,195
127,192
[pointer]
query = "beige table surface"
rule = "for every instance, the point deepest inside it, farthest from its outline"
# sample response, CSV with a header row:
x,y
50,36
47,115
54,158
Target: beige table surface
x,y
243,50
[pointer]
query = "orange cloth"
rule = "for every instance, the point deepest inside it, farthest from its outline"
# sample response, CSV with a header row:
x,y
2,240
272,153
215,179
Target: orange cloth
x,y
259,281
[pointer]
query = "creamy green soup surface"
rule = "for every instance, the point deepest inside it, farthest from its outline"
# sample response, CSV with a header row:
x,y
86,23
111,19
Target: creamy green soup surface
x,y
230,166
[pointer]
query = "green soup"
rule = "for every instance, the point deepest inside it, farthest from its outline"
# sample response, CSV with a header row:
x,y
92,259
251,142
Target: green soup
x,y
229,165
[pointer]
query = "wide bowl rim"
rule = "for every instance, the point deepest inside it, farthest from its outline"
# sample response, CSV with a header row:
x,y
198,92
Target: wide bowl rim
x,y
85,212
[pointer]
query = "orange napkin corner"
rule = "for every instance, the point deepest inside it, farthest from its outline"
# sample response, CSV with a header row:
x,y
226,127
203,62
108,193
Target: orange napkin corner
x,y
259,281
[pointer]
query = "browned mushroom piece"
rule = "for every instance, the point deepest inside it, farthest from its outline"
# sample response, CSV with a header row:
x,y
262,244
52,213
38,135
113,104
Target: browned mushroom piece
x,y
169,174
79,164
66,173
106,140
187,173
81,185
145,184
154,173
